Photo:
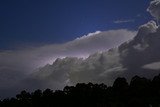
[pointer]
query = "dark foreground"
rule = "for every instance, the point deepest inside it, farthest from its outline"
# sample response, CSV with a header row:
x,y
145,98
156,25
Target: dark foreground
x,y
141,92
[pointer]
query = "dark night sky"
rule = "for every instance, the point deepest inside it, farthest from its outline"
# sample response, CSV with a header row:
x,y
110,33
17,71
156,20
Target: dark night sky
x,y
37,22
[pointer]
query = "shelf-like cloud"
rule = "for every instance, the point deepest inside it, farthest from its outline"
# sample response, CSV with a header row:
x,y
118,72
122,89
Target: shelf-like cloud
x,y
132,58
15,65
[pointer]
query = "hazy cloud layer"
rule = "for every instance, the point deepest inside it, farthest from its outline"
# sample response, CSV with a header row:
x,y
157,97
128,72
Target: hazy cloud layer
x,y
17,64
152,66
124,21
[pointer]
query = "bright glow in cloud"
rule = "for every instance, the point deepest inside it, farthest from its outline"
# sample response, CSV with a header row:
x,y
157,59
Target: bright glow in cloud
x,y
129,59
134,57
23,62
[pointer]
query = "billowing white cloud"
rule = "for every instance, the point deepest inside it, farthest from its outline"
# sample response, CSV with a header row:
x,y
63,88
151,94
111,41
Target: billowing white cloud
x,y
80,47
149,27
15,65
154,9
143,50
146,29
132,58
97,68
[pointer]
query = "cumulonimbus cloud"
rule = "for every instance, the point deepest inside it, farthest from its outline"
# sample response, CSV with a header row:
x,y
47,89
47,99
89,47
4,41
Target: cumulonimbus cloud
x,y
140,56
136,57
22,62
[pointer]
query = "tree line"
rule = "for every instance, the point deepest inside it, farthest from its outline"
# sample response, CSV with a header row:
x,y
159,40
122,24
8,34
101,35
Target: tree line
x,y
140,92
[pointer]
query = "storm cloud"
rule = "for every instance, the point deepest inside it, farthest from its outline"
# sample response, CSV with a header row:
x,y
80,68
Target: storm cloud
x,y
139,56
15,65
97,57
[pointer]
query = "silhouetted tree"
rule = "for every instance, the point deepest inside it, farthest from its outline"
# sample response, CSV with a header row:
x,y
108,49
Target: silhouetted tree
x,y
36,98
23,95
141,92
140,86
120,84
